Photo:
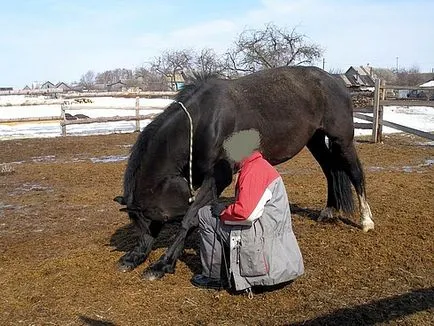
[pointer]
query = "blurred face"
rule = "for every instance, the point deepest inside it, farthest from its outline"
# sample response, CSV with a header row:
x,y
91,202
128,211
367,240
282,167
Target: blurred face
x,y
241,145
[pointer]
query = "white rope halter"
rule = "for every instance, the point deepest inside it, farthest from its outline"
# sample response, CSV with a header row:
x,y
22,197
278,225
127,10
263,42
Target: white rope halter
x,y
190,159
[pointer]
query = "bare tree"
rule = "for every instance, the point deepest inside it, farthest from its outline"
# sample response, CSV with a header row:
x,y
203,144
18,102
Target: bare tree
x,y
88,80
207,62
150,80
268,48
336,71
386,74
409,77
113,76
171,63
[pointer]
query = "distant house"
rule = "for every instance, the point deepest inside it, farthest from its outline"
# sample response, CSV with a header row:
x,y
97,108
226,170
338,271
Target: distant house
x,y
429,83
116,87
100,87
26,88
358,78
47,85
422,78
176,81
134,89
6,89
63,85
423,94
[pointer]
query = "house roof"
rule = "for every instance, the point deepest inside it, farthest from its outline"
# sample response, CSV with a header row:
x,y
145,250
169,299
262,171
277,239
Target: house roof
x,y
62,84
177,78
360,76
428,84
47,83
119,82
344,79
362,71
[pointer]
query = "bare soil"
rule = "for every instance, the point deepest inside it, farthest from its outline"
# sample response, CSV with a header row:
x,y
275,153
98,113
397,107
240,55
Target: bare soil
x,y
61,235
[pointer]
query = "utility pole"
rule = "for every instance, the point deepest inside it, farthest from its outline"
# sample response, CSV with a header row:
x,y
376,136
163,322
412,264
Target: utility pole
x,y
323,63
397,64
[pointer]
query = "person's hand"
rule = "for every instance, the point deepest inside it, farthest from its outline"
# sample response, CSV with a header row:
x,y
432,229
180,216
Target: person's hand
x,y
217,208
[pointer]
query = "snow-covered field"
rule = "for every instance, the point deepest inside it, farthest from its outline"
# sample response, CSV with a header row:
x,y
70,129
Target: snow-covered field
x,y
417,117
20,106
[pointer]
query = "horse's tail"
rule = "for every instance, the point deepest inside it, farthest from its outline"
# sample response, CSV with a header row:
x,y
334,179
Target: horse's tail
x,y
341,184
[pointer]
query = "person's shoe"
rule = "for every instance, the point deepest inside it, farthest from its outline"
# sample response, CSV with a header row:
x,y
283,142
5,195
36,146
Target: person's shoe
x,y
206,282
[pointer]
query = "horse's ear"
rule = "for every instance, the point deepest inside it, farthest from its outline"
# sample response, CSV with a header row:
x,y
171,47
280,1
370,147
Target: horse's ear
x,y
120,200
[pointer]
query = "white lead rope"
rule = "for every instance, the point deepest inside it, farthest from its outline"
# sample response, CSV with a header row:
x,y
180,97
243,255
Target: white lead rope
x,y
190,160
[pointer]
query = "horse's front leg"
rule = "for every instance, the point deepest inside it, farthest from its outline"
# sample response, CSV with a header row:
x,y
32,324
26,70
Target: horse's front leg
x,y
167,262
148,231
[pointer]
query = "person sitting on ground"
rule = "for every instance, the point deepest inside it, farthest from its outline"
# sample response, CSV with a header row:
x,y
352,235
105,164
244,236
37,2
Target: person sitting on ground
x,y
257,228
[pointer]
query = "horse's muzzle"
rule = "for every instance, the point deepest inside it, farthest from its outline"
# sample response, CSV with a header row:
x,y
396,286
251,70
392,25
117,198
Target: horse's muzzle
x,y
120,200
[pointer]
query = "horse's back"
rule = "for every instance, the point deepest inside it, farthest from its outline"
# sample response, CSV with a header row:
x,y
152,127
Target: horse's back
x,y
287,105
292,76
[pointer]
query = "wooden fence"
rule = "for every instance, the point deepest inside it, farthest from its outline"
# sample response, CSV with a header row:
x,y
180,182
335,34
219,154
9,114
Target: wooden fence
x,y
68,106
385,95
382,97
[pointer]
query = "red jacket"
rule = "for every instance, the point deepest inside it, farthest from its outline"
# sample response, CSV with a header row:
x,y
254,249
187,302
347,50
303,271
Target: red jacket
x,y
252,192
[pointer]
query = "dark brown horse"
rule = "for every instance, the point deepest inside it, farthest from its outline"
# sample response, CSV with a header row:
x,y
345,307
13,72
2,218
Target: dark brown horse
x,y
291,107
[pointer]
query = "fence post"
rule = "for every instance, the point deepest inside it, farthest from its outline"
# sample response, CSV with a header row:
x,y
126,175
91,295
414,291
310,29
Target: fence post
x,y
380,112
138,114
62,117
375,122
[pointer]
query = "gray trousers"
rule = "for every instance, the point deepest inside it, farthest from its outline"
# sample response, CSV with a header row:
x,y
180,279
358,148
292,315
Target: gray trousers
x,y
212,231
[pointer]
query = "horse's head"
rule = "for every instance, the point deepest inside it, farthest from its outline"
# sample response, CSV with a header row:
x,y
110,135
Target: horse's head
x,y
169,198
163,200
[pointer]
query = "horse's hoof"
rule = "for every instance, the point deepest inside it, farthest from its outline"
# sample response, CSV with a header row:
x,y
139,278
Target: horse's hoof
x,y
152,274
367,226
125,267
326,214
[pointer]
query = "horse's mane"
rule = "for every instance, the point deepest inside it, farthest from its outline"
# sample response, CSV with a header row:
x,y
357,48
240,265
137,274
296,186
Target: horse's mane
x,y
194,83
149,132
139,149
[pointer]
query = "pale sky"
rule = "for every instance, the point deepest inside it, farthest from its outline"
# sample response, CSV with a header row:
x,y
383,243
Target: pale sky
x,y
60,40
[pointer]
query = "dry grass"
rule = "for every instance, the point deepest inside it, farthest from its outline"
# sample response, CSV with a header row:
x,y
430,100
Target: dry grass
x,y
61,235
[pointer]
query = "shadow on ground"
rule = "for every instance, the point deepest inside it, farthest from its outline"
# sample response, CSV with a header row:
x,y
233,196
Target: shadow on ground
x,y
381,311
94,322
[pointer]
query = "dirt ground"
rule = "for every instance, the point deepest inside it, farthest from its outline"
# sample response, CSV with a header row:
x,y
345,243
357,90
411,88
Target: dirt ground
x,y
61,235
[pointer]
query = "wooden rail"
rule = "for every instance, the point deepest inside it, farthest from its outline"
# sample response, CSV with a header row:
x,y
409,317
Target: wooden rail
x,y
380,101
67,106
407,103
76,94
108,119
94,107
33,91
34,119
144,94
394,125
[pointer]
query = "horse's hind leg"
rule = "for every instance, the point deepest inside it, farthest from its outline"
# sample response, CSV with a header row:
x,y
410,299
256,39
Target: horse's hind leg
x,y
341,166
148,231
353,168
317,146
